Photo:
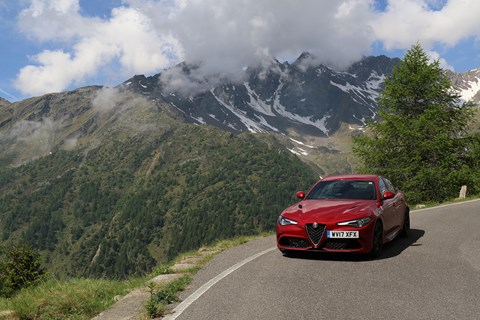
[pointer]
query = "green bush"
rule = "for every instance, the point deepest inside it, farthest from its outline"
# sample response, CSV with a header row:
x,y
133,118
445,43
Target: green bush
x,y
20,267
159,300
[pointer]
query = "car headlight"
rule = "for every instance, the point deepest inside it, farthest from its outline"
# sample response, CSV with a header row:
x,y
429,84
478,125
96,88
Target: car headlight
x,y
285,222
357,223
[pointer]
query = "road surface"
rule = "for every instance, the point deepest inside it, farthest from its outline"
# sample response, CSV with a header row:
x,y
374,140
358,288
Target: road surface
x,y
433,274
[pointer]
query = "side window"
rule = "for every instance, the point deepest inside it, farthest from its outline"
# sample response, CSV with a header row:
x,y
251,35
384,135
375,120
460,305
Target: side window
x,y
390,186
382,186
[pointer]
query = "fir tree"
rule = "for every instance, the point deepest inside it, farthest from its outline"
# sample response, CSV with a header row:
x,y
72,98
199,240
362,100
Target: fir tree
x,y
421,140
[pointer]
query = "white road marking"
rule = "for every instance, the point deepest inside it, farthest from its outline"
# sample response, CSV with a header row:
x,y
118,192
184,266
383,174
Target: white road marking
x,y
200,291
445,205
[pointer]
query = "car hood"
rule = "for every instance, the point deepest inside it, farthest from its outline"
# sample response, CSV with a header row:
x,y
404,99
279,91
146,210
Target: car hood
x,y
324,211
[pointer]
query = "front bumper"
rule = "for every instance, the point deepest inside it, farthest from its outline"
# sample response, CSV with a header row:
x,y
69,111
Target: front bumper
x,y
306,238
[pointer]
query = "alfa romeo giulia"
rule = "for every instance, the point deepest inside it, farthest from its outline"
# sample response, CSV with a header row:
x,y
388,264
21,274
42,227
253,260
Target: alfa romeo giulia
x,y
344,213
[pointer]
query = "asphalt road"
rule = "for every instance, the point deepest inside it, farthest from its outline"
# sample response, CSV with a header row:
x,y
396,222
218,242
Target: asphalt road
x,y
432,274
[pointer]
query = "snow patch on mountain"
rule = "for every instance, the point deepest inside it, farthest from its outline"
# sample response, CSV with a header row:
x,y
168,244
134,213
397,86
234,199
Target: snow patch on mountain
x,y
301,143
472,88
374,84
365,95
265,123
280,109
251,125
199,119
256,103
345,88
298,151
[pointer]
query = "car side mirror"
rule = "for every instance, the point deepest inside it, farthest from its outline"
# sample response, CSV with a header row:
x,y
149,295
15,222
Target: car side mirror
x,y
300,195
388,195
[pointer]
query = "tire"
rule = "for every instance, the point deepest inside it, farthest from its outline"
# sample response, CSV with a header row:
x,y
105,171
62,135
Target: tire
x,y
406,224
377,241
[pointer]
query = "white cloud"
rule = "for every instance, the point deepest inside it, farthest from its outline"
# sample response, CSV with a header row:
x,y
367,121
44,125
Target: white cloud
x,y
106,100
36,136
70,143
443,63
407,21
146,36
126,42
229,35
58,20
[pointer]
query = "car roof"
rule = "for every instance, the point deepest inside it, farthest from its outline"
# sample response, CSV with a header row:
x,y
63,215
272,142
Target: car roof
x,y
351,177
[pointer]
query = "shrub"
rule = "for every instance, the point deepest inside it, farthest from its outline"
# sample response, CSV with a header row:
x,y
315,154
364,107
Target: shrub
x,y
20,267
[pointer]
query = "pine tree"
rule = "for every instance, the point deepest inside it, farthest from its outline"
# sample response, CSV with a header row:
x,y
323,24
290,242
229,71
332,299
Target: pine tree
x,y
20,267
420,141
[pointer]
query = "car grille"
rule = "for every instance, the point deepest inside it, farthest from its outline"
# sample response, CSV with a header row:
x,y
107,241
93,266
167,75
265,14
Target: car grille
x,y
294,242
340,244
315,234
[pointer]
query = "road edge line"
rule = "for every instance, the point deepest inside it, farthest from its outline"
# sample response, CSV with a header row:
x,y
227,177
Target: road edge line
x,y
177,311
445,205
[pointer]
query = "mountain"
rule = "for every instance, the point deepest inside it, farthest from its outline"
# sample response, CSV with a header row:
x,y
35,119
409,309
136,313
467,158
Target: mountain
x,y
105,183
311,107
303,97
4,102
468,84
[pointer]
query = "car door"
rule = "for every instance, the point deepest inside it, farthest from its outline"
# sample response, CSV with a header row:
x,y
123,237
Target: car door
x,y
388,208
399,204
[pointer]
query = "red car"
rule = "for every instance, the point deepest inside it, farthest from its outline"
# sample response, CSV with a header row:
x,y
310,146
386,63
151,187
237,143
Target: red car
x,y
344,213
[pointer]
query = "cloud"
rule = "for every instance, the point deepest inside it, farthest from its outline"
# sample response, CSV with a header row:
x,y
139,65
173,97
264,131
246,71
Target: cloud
x,y
58,20
430,22
35,138
70,143
222,37
126,42
443,63
107,99
227,35
131,110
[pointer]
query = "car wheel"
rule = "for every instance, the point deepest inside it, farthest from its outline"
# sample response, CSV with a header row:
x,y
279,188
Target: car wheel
x,y
406,225
377,245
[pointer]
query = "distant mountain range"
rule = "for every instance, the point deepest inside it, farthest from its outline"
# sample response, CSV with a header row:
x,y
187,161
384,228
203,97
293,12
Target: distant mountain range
x,y
302,97
306,98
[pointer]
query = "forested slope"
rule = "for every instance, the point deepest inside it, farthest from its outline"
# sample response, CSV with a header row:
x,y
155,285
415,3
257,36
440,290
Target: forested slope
x,y
118,207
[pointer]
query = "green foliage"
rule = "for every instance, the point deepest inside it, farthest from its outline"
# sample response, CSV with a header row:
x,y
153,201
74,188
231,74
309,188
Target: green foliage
x,y
133,201
20,267
73,299
421,141
156,306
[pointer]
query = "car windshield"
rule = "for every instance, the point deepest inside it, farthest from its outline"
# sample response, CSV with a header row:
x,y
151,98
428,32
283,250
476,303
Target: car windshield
x,y
343,189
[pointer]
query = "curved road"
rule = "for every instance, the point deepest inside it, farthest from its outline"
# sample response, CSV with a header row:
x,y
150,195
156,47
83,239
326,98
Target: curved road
x,y
433,274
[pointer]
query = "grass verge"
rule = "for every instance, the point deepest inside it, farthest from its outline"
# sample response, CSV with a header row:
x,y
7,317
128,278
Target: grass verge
x,y
80,299
73,299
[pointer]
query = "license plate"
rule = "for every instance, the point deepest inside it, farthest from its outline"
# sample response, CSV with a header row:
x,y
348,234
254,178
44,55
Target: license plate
x,y
343,234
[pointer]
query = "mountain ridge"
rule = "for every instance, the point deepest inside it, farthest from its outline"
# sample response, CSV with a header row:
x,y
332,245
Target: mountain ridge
x,y
302,96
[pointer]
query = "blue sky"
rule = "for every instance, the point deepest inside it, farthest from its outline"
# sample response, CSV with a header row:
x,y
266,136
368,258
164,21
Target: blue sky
x,y
57,45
